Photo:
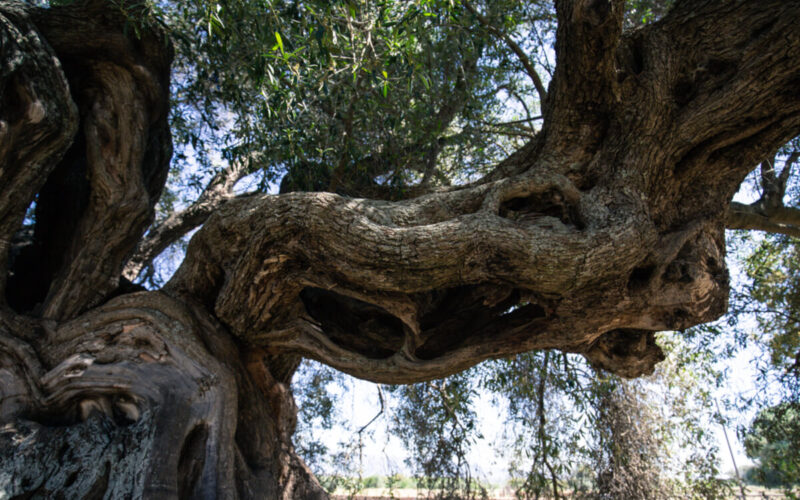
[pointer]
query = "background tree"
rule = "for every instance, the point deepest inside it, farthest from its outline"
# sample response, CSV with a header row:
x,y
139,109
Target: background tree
x,y
772,440
587,238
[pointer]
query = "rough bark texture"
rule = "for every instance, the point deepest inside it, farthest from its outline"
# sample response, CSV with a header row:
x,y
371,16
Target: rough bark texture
x,y
145,396
99,199
607,227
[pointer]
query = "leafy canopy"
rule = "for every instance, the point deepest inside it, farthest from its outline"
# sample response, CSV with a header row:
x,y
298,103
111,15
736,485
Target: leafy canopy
x,y
351,95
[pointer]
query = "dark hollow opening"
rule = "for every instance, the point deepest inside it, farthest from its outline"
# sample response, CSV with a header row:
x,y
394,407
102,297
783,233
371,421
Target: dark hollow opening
x,y
354,324
191,461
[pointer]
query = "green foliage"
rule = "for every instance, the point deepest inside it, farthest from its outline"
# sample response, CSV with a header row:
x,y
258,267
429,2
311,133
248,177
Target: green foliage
x,y
541,390
597,436
312,385
438,422
641,12
773,440
774,293
397,90
568,429
368,99
770,299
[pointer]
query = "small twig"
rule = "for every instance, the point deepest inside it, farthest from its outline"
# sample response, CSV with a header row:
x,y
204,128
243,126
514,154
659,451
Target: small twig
x,y
547,65
514,122
523,58
768,179
540,410
383,407
783,178
506,132
733,459
450,411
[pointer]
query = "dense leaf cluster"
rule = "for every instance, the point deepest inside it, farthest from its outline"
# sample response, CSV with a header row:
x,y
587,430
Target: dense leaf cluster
x,y
348,96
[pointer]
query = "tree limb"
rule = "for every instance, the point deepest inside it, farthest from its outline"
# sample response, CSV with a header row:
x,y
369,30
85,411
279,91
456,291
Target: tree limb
x,y
324,254
584,86
760,217
773,185
374,418
103,201
35,128
768,214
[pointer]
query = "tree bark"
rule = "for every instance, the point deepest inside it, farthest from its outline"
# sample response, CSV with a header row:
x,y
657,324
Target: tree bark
x,y
147,397
606,228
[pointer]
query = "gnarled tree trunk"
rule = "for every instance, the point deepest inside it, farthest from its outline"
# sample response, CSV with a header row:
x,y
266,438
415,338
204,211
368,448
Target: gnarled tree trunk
x,y
146,395
604,229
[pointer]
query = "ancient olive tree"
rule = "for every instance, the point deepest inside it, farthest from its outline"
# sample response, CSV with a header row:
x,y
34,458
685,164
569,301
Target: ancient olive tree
x,y
604,227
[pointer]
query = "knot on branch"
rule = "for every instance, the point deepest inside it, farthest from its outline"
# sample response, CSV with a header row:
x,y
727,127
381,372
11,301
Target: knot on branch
x,y
531,198
684,283
626,352
535,207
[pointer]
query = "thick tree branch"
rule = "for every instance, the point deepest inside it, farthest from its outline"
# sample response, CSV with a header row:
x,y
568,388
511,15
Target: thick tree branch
x,y
721,95
309,251
38,120
783,178
760,217
91,214
583,90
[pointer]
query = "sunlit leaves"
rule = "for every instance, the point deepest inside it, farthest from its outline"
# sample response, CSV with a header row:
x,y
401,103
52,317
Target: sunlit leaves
x,y
407,85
